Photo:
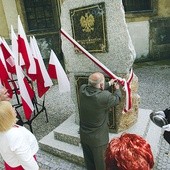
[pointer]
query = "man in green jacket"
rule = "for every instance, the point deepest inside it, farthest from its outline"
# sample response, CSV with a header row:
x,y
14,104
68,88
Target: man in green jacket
x,y
95,103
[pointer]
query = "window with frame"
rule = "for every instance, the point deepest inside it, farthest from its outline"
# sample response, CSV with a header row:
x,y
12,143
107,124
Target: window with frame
x,y
138,5
39,15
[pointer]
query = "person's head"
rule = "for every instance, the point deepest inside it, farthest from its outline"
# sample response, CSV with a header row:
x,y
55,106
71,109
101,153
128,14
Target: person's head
x,y
4,94
96,80
7,116
129,152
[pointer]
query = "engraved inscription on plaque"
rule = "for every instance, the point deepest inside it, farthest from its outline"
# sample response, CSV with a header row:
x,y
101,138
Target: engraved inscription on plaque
x,y
89,27
84,80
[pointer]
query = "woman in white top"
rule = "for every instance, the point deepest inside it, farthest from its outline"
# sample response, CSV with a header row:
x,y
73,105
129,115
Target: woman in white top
x,y
18,145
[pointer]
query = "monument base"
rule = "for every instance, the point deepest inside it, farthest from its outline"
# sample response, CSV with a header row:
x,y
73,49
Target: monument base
x,y
64,140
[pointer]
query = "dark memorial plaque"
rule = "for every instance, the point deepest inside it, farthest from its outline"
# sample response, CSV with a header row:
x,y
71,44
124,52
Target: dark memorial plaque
x,y
89,27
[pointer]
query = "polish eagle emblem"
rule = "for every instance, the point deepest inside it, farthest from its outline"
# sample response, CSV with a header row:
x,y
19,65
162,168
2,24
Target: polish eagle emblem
x,y
87,22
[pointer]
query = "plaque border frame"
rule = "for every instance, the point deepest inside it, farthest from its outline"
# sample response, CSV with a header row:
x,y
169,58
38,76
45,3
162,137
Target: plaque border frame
x,y
104,27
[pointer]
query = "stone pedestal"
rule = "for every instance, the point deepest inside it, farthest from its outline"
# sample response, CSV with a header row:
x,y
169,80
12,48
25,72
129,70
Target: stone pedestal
x,y
123,120
64,141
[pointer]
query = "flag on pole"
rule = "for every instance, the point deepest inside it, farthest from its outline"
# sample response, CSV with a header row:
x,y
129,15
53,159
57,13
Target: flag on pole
x,y
25,52
4,76
25,89
56,71
43,79
7,54
14,47
26,93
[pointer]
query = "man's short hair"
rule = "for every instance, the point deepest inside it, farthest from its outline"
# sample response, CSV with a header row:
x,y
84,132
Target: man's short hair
x,y
95,79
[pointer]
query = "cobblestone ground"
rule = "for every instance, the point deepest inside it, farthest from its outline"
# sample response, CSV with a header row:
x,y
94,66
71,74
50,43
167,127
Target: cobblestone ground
x,y
154,90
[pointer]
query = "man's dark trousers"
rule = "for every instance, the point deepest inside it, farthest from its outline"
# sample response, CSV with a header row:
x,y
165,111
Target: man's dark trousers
x,y
93,156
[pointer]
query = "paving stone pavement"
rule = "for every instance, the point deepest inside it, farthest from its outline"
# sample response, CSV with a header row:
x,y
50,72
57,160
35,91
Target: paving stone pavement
x,y
154,90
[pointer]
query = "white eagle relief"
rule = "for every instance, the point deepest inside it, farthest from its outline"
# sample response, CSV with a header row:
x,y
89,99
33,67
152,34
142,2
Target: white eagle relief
x,y
87,22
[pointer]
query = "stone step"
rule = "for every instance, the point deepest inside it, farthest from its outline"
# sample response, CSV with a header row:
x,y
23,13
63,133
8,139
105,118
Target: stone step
x,y
64,140
62,149
68,131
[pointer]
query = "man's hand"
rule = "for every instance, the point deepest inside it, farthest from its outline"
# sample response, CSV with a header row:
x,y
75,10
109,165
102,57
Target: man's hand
x,y
112,82
116,86
166,127
4,94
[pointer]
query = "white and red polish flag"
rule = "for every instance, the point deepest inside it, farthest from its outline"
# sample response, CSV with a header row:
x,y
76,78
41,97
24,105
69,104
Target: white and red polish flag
x,y
25,52
14,48
26,93
123,82
7,54
9,65
4,75
43,79
25,89
56,71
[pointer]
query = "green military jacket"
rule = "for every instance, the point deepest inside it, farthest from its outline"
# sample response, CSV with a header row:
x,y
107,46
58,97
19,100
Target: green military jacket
x,y
94,108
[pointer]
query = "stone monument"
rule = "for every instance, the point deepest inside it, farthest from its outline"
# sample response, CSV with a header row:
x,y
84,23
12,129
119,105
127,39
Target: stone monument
x,y
100,28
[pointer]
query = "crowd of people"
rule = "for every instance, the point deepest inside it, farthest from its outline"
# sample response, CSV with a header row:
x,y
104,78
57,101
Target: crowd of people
x,y
18,146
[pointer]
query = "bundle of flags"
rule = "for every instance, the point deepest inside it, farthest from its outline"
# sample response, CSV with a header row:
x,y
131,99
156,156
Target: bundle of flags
x,y
24,61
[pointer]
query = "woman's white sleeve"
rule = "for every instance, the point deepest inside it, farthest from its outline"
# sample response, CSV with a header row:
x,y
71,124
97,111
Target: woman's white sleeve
x,y
26,158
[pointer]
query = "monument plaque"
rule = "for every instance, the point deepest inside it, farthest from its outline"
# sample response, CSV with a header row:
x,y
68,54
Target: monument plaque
x,y
89,27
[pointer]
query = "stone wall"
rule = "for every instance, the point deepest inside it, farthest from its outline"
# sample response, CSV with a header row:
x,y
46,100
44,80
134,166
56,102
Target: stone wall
x,y
160,38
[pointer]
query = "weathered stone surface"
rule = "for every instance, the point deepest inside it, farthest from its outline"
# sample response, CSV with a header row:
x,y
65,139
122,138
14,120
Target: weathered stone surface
x,y
160,39
119,58
126,120
121,54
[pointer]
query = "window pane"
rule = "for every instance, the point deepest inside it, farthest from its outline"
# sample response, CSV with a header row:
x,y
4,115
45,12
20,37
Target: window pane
x,y
39,14
33,25
137,5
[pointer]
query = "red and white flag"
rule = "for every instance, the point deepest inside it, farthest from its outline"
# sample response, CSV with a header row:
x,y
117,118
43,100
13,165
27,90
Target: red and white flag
x,y
56,71
26,93
14,48
25,89
7,54
25,52
4,76
43,79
